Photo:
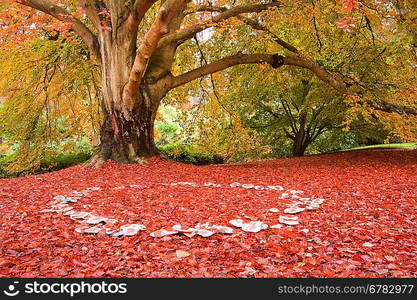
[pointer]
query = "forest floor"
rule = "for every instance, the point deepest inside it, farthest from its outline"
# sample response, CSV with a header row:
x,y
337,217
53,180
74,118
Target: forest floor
x,y
366,226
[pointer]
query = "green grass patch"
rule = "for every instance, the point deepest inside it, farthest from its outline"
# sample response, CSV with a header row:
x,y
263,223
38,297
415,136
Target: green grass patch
x,y
398,146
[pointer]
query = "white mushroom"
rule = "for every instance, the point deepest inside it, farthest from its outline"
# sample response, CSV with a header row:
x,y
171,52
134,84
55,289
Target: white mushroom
x,y
94,220
162,233
275,187
293,210
79,215
289,220
129,230
204,232
93,230
223,229
248,186
254,226
237,222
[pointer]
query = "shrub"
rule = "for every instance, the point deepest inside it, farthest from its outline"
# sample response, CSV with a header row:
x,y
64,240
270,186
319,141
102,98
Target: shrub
x,y
52,163
3,165
190,155
65,160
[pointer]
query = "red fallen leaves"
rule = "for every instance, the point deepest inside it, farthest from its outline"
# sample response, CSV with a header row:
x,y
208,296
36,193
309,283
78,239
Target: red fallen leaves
x,y
370,200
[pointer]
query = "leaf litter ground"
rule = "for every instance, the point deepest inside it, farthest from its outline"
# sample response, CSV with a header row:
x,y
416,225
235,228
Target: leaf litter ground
x,y
366,226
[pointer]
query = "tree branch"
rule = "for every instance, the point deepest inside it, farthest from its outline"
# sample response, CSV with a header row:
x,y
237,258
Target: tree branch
x,y
320,72
343,88
274,60
220,65
186,34
140,8
149,44
258,26
89,7
206,8
289,135
63,15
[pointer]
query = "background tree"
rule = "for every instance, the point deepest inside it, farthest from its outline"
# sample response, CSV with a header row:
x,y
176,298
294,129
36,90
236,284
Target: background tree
x,y
301,113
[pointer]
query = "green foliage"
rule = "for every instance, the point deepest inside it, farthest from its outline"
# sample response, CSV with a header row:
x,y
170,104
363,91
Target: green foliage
x,y
190,155
167,126
47,164
3,166
230,118
65,160
333,141
56,159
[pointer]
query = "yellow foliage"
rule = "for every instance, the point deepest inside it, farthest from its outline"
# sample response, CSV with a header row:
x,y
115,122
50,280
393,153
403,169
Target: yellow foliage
x,y
51,99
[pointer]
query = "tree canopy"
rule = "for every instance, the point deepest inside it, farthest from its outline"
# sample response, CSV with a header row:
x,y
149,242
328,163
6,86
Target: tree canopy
x,y
98,71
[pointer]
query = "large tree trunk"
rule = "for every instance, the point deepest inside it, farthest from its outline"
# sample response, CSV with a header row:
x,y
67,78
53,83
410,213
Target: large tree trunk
x,y
128,117
126,139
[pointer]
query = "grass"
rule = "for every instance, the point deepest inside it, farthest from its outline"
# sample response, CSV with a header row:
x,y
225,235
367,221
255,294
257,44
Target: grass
x,y
399,146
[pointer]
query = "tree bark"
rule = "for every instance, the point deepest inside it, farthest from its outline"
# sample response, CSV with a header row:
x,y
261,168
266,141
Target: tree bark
x,y
128,123
125,140
128,118
298,148
301,138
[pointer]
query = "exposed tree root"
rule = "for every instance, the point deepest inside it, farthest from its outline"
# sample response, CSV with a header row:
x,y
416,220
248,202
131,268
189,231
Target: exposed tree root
x,y
96,162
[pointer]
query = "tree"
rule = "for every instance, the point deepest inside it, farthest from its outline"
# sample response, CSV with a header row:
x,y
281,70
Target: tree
x,y
135,43
303,113
294,109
